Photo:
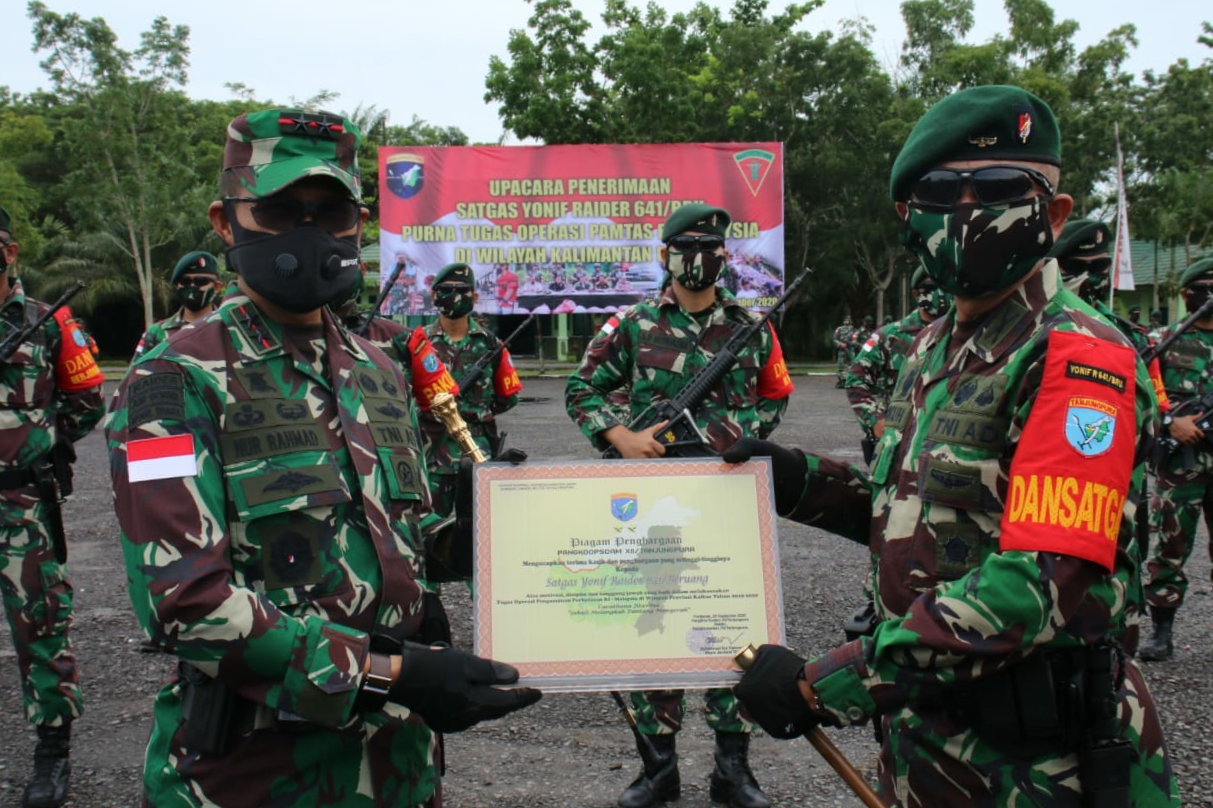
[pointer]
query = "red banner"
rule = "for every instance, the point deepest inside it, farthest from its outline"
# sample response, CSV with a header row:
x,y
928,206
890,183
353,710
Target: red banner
x,y
569,229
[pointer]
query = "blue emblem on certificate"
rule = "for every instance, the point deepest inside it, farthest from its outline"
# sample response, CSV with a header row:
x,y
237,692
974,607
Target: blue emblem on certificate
x,y
624,507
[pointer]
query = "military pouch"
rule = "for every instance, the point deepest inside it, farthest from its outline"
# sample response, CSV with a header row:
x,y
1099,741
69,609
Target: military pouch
x,y
214,715
1103,771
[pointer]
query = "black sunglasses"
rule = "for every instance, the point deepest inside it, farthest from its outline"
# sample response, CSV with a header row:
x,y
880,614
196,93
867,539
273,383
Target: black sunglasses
x,y
691,244
197,281
992,185
278,212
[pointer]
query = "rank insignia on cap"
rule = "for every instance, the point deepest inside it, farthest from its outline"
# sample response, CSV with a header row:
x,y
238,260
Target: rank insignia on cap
x,y
306,123
1024,127
982,142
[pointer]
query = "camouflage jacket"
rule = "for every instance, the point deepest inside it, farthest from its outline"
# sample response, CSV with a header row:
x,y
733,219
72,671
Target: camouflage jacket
x,y
655,348
415,356
870,377
159,332
496,391
945,496
1187,374
842,337
284,534
39,401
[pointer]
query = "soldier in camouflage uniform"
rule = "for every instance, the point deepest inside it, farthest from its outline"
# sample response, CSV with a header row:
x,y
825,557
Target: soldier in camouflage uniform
x,y
460,340
654,348
271,495
842,348
1185,478
858,337
1000,506
1156,325
195,282
50,397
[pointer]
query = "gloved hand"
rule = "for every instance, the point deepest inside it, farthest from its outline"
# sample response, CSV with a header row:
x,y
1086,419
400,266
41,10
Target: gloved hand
x,y
454,690
791,470
770,693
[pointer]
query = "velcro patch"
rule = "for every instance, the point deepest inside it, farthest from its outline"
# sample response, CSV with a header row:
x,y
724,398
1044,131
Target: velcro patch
x,y
155,398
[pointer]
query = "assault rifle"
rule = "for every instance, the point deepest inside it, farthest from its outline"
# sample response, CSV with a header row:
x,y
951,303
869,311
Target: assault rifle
x,y
383,293
681,436
16,339
477,370
1206,310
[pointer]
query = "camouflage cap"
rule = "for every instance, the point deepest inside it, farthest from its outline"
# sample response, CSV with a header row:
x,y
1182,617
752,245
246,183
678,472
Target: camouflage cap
x,y
696,216
455,272
6,222
268,150
196,263
993,122
1082,238
1197,270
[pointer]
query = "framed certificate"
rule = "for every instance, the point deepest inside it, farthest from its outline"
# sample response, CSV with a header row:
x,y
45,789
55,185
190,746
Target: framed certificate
x,y
625,574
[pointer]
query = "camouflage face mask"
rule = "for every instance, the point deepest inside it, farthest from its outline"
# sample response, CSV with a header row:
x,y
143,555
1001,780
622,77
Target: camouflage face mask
x,y
694,270
972,251
193,298
933,301
454,302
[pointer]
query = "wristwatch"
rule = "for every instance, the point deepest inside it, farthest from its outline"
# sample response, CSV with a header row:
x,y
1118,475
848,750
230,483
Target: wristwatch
x,y
376,683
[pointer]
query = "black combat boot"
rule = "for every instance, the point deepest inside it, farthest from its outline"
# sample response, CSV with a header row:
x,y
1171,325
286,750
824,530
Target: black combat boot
x,y
1160,646
658,782
733,783
47,786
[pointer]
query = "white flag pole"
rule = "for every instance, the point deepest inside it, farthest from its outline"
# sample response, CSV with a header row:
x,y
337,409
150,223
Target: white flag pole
x,y
1123,279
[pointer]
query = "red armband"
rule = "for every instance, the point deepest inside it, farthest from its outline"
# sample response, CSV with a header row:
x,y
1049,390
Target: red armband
x,y
1155,370
774,383
75,368
1073,465
430,376
505,380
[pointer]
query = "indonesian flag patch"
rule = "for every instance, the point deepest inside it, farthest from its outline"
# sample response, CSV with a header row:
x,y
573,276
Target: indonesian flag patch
x,y
161,458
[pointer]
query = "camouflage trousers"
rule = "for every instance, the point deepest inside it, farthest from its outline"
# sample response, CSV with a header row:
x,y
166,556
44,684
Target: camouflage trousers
x,y
659,712
844,361
1180,498
380,764
932,759
38,603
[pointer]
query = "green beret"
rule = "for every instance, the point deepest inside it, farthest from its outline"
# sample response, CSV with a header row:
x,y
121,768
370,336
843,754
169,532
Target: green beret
x,y
993,122
6,222
920,277
1196,271
1134,308
460,273
196,263
1156,314
1082,238
696,216
268,150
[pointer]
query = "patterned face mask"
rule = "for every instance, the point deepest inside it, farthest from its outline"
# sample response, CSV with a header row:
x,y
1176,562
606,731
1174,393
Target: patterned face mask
x,y
694,270
933,301
454,301
1089,279
972,251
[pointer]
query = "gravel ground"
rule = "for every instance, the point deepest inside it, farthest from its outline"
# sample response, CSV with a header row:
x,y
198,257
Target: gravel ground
x,y
569,750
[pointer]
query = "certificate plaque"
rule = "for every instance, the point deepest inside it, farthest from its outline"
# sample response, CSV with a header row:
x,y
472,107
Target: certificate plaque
x,y
624,575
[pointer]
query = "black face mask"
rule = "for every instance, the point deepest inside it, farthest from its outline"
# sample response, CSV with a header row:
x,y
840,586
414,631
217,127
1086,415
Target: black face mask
x,y
1196,296
301,270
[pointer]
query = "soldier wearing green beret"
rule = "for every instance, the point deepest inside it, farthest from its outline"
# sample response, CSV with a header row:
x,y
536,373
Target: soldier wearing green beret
x,y
653,350
999,507
195,282
1185,478
50,397
271,495
1135,314
1156,324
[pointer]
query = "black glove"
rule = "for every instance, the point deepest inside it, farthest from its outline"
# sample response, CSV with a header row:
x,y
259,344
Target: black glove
x,y
511,455
435,625
770,693
791,469
453,690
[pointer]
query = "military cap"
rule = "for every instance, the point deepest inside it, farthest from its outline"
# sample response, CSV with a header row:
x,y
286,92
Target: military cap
x,y
460,273
196,263
696,216
992,122
268,150
920,277
869,320
1134,308
6,222
1197,270
1082,238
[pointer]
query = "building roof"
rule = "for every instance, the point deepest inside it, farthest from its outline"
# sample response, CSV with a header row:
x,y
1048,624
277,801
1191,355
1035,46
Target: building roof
x,y
1170,261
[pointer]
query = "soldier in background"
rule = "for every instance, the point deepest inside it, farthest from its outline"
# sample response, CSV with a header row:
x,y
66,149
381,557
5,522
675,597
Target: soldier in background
x,y
270,491
1000,669
654,348
50,397
195,282
858,337
1185,479
842,348
1156,325
460,340
1135,314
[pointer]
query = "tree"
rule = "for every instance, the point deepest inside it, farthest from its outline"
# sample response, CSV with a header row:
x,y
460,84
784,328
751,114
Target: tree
x,y
124,135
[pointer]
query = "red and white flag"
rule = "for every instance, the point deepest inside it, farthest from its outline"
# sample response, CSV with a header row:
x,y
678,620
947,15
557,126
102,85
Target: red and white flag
x,y
1123,263
161,458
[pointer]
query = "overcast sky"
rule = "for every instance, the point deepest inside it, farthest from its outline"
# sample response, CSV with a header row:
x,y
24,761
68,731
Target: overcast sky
x,y
430,58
